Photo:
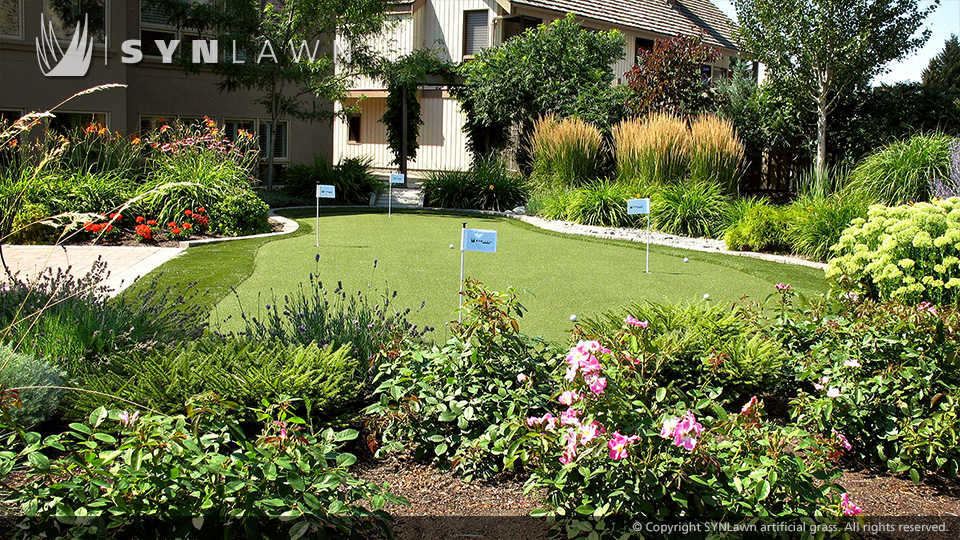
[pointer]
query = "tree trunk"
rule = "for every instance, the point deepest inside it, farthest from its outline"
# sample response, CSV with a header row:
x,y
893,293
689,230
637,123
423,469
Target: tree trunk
x,y
822,100
271,141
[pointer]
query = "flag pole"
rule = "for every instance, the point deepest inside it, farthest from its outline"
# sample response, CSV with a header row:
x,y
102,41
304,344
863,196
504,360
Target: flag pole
x,y
460,306
318,215
648,242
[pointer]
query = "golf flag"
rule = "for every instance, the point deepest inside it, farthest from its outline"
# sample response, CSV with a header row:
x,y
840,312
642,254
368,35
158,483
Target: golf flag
x,y
478,240
638,206
326,192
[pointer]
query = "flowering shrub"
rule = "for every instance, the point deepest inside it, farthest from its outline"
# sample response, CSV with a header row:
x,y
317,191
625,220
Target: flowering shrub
x,y
633,449
147,474
908,253
179,231
198,219
143,232
882,375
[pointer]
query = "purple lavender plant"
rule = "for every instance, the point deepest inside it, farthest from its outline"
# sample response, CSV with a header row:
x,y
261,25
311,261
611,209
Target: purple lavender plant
x,y
949,187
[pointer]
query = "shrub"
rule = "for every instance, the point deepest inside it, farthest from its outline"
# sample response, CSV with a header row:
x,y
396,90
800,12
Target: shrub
x,y
566,152
367,324
20,370
901,172
551,203
905,253
893,395
691,209
668,77
487,186
463,404
701,346
27,227
601,203
84,192
946,188
715,153
239,370
158,476
238,212
666,454
653,152
763,227
352,177
92,149
818,221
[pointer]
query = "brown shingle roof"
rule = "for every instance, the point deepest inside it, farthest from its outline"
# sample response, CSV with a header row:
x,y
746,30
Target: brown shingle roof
x,y
683,17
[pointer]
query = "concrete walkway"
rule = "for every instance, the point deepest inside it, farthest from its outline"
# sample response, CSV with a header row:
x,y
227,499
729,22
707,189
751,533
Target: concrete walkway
x,y
124,264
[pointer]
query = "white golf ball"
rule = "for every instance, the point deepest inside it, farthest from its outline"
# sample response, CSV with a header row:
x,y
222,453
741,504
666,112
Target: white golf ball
x,y
451,246
686,259
706,297
573,318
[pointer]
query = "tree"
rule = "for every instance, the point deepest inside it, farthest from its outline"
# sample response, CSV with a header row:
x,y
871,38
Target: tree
x,y
286,51
668,77
944,68
560,68
818,49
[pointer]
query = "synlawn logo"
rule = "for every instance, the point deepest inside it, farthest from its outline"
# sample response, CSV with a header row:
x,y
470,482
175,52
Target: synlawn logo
x,y
54,61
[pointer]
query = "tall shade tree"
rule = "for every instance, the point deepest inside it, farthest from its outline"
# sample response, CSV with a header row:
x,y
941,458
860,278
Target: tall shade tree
x,y
285,51
819,49
944,68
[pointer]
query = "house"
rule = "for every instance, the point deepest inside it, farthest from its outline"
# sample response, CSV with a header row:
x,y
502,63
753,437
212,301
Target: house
x,y
464,27
156,92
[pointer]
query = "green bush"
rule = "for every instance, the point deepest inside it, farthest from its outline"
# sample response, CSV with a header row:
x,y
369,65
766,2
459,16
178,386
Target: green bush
x,y
902,172
691,209
818,221
551,203
26,228
20,370
78,191
699,345
352,177
908,253
566,152
239,212
239,370
893,394
601,203
762,227
487,186
153,476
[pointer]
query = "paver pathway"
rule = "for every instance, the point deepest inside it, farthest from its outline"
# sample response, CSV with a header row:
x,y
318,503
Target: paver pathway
x,y
125,264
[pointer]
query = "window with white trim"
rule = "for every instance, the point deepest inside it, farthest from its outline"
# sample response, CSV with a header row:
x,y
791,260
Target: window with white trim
x,y
10,18
155,26
65,122
233,127
476,35
280,145
64,15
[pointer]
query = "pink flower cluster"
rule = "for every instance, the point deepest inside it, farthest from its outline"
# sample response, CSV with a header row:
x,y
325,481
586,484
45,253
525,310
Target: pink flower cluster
x,y
684,430
577,433
549,419
618,445
749,407
582,357
849,509
633,321
783,287
842,440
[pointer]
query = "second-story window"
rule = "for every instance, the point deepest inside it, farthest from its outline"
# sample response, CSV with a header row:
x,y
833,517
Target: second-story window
x,y
353,128
65,14
475,32
155,26
10,18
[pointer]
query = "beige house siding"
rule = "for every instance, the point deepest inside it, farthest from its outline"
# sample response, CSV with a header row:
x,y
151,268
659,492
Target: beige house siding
x,y
443,145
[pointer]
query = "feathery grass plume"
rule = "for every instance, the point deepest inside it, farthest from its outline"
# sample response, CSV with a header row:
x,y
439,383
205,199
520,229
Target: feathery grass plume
x,y
654,152
567,152
715,152
902,172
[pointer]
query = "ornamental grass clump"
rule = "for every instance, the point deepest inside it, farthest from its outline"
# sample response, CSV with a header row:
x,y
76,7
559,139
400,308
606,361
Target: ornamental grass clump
x,y
901,172
654,151
908,253
715,153
566,152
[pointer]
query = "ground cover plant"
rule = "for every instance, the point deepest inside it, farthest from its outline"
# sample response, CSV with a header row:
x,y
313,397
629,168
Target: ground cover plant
x,y
352,178
488,185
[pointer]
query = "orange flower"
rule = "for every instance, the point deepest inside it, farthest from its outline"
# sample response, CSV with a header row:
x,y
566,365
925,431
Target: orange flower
x,y
164,128
187,226
90,128
135,140
103,131
14,143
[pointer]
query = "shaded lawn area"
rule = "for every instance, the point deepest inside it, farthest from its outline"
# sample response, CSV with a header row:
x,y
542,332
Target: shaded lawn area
x,y
556,274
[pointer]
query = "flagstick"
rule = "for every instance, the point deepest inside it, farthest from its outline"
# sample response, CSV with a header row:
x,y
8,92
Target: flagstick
x,y
318,215
648,242
460,307
390,198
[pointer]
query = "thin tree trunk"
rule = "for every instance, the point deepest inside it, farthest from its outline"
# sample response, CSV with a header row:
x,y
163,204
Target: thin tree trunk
x,y
822,103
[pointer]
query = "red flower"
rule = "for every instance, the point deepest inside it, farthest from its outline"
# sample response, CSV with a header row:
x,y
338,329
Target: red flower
x,y
187,226
139,219
109,227
201,210
187,212
175,230
172,224
116,217
152,222
88,226
144,232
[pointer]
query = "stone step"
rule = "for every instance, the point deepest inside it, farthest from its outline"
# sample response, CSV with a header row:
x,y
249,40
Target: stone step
x,y
399,198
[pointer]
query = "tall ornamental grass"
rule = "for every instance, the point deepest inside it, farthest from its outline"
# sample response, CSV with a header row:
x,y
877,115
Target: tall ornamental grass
x,y
601,203
567,152
694,209
816,222
654,151
902,172
716,154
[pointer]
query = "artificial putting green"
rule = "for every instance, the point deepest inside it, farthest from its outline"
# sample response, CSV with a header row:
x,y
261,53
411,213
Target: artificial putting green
x,y
556,275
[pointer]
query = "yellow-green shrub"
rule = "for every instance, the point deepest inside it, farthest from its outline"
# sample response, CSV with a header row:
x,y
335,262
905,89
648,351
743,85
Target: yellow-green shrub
x,y
908,253
566,152
654,151
715,152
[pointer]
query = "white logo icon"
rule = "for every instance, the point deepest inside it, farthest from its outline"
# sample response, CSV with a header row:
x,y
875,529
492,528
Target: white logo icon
x,y
54,62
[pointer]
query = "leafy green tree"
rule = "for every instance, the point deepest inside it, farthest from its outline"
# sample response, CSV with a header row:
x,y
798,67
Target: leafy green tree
x,y
668,77
819,49
285,51
560,68
944,68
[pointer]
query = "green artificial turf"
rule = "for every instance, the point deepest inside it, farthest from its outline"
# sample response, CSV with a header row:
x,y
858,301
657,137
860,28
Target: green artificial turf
x,y
557,275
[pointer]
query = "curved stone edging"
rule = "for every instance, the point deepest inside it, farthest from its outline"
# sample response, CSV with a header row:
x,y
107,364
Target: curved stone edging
x,y
288,224
709,245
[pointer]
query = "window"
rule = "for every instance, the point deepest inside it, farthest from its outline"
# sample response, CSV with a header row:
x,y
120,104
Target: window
x,y
155,26
518,24
353,128
10,18
641,44
232,128
10,116
706,72
150,123
475,35
65,122
65,14
719,74
279,145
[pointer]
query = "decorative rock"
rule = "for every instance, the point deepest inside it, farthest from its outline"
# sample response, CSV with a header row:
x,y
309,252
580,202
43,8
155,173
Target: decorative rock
x,y
520,210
